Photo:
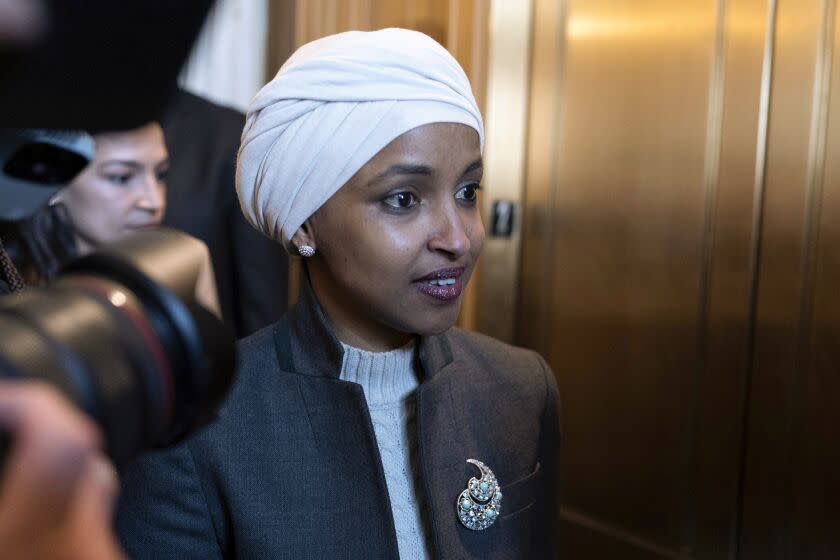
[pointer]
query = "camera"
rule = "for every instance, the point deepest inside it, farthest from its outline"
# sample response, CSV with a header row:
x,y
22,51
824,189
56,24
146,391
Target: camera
x,y
119,330
120,333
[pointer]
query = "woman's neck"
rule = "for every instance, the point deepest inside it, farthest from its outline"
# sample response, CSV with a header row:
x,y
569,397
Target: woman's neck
x,y
353,327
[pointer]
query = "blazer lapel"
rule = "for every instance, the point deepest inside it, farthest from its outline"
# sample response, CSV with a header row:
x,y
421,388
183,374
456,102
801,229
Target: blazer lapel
x,y
442,452
347,473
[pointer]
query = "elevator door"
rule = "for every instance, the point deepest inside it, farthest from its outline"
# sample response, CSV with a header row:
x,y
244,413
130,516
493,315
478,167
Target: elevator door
x,y
679,267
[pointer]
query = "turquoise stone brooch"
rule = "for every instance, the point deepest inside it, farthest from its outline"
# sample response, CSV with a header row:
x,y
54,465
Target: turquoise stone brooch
x,y
480,504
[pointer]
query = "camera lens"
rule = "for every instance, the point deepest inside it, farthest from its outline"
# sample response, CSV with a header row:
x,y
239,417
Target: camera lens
x,y
138,355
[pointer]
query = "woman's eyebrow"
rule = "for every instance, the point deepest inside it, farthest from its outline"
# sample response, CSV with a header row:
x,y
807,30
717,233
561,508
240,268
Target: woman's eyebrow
x,y
402,169
125,162
477,164
411,169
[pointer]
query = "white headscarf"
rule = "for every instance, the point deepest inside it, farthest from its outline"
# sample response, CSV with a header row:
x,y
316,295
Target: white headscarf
x,y
332,107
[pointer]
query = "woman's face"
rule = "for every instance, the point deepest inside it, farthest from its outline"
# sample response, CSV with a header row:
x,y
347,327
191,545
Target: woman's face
x,y
122,190
396,245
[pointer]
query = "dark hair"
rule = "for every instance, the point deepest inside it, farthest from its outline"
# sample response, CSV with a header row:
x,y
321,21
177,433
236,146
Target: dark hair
x,y
41,244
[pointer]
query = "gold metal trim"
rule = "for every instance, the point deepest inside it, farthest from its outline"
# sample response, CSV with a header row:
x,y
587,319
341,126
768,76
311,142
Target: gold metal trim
x,y
711,171
505,161
554,173
818,137
816,165
755,254
761,154
711,180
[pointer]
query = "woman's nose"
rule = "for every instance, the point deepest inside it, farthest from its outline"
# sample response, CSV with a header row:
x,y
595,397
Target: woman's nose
x,y
153,195
452,233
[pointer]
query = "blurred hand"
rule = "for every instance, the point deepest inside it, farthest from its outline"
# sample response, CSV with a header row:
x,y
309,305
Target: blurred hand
x,y
57,489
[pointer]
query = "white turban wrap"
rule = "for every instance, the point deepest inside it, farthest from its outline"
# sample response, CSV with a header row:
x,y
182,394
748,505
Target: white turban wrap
x,y
332,107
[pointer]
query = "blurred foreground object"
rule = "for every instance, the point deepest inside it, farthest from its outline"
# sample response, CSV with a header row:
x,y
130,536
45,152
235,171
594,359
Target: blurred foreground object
x,y
21,21
35,164
99,64
120,333
57,491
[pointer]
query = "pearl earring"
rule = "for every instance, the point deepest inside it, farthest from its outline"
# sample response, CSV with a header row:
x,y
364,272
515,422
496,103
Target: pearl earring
x,y
306,251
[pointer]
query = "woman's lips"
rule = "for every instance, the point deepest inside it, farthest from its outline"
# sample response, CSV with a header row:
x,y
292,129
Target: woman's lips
x,y
443,285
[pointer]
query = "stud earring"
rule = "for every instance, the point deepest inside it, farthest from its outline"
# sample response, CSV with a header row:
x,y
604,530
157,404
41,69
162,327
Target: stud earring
x,y
306,251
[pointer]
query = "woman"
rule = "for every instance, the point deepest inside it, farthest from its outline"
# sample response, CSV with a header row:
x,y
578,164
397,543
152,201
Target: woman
x,y
121,191
349,428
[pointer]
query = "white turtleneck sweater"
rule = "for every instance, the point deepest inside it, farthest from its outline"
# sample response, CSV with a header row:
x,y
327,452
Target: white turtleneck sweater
x,y
390,383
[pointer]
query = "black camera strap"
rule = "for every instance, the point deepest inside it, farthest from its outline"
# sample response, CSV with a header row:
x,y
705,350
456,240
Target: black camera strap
x,y
11,277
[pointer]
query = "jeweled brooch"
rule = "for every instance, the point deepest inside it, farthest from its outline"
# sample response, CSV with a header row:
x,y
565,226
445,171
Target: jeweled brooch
x,y
480,504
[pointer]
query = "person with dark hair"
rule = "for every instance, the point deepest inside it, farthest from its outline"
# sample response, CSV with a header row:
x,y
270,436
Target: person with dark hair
x,y
364,424
57,487
40,244
121,191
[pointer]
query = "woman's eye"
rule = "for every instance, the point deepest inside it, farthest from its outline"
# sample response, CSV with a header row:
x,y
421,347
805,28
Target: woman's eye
x,y
401,200
120,179
468,192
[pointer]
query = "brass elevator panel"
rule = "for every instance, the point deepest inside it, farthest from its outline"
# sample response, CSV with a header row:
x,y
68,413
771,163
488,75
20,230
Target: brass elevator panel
x,y
679,271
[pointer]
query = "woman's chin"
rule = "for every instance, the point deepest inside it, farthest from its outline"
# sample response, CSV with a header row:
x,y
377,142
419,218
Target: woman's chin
x,y
436,323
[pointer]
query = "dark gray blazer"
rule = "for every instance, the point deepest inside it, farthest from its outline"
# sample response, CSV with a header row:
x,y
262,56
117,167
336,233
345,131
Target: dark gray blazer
x,y
291,469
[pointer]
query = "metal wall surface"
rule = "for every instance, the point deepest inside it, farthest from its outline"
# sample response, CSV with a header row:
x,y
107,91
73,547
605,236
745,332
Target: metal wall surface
x,y
679,271
723,328
611,285
791,480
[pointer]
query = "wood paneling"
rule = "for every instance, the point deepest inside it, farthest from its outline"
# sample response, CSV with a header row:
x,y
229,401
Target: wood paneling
x,y
459,25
